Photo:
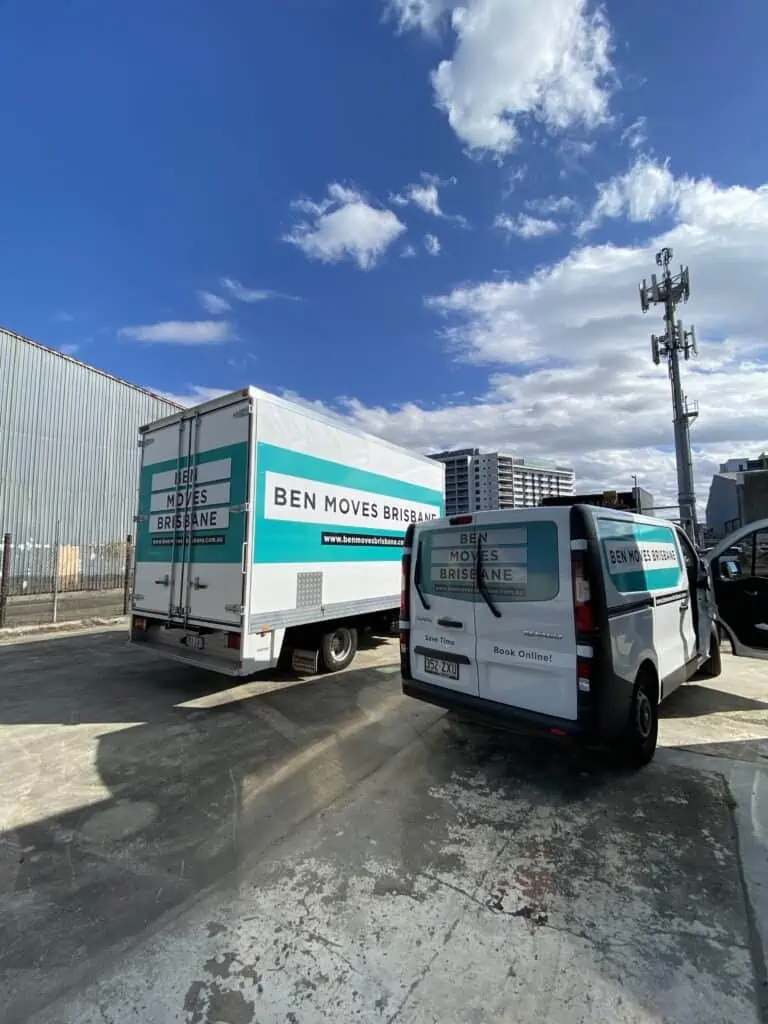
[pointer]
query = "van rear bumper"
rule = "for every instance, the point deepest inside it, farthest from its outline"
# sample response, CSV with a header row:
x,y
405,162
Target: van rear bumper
x,y
499,716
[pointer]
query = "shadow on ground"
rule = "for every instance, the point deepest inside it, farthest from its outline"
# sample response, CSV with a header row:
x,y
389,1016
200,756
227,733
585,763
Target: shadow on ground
x,y
172,781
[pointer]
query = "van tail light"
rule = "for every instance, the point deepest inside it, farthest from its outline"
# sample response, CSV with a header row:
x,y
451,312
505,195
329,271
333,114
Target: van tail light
x,y
405,603
584,674
582,596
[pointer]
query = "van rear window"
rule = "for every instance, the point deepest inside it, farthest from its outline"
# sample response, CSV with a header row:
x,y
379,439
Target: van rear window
x,y
518,562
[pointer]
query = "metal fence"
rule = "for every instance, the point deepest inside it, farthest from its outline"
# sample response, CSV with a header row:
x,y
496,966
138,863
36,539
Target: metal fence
x,y
44,582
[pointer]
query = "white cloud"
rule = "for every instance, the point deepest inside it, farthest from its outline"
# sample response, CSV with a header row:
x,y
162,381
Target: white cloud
x,y
62,317
180,332
514,60
423,14
408,252
647,190
195,394
526,227
213,304
426,197
344,226
69,350
432,245
570,372
636,134
240,293
550,204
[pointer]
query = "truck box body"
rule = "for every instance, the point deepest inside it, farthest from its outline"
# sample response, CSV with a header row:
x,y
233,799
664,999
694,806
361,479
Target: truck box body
x,y
257,516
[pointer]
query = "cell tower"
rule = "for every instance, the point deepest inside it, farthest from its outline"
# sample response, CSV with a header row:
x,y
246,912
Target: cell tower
x,y
670,291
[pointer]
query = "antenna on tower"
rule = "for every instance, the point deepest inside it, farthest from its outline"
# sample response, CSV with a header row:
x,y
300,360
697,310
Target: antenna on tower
x,y
670,292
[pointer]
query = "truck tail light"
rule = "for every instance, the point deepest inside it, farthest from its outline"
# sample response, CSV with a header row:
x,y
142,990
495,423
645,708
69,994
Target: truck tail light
x,y
233,641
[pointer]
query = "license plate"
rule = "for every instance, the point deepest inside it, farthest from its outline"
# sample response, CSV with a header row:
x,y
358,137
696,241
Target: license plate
x,y
194,643
440,667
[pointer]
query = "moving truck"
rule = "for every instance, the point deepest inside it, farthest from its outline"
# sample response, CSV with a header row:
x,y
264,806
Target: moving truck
x,y
563,621
266,526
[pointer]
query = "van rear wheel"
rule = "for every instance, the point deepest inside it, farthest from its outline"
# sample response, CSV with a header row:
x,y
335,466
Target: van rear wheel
x,y
642,730
337,648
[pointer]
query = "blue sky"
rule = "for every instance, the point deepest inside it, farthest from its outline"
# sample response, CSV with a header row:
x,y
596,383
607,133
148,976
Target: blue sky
x,y
156,150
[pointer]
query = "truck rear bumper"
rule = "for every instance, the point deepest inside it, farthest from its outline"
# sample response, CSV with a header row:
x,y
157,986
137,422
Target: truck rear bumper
x,y
499,716
202,659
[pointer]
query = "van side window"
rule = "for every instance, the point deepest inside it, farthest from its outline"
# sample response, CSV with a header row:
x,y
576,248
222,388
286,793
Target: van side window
x,y
689,555
640,556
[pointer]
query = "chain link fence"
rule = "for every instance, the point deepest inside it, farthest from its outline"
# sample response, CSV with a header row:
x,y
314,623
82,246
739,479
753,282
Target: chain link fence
x,y
46,582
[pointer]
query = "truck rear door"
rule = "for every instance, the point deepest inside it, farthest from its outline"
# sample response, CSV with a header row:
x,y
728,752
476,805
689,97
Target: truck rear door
x,y
524,617
442,636
194,500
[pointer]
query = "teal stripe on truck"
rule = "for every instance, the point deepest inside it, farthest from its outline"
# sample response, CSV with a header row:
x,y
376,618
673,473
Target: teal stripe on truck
x,y
340,536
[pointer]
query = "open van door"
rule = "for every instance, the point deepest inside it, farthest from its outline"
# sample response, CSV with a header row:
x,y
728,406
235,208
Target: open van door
x,y
739,565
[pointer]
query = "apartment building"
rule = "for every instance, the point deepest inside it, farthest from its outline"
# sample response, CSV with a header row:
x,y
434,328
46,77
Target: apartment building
x,y
476,479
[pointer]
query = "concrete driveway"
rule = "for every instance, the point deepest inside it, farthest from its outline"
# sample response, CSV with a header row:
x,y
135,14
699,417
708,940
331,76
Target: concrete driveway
x,y
178,849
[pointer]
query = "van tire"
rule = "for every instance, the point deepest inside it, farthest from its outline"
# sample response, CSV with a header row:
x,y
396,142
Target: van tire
x,y
713,666
642,731
337,648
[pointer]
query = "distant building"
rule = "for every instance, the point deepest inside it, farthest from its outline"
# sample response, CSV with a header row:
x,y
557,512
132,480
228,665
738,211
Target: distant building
x,y
738,495
477,480
636,500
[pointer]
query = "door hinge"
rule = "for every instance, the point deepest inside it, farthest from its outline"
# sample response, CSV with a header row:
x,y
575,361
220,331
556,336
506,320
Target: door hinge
x,y
145,442
164,581
246,411
242,508
142,517
234,609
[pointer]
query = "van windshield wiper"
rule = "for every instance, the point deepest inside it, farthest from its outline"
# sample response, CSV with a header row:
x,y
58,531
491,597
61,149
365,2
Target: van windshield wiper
x,y
482,586
417,579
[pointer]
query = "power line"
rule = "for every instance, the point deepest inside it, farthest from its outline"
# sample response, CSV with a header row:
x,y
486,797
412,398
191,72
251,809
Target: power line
x,y
670,292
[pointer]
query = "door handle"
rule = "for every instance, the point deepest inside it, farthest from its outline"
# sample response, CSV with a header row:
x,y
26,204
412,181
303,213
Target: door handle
x,y
450,623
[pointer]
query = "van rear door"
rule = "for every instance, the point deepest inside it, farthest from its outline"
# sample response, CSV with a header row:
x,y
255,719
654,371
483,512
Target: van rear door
x,y
442,632
524,615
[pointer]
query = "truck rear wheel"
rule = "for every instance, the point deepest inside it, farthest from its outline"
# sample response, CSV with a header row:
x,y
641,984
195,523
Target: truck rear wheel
x,y
337,648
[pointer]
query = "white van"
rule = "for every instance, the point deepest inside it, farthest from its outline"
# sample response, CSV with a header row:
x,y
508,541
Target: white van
x,y
580,621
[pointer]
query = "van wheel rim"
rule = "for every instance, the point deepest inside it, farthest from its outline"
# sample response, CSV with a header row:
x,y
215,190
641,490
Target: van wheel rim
x,y
340,645
643,716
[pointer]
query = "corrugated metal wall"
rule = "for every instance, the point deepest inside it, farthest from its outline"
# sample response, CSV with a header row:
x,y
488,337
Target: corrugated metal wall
x,y
69,461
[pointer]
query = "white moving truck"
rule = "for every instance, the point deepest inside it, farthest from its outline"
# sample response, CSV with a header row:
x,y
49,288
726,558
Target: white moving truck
x,y
266,525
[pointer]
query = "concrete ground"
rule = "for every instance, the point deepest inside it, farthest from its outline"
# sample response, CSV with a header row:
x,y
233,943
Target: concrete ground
x,y
176,849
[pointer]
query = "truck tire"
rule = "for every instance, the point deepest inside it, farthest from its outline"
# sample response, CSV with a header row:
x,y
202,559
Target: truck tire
x,y
713,666
642,731
337,648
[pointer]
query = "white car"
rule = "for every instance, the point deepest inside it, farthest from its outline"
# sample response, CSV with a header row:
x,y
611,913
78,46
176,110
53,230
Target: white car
x,y
579,622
